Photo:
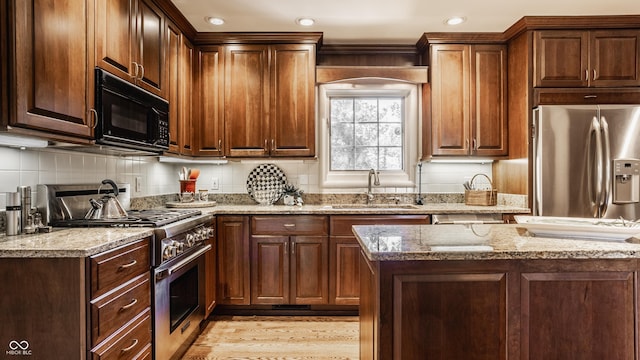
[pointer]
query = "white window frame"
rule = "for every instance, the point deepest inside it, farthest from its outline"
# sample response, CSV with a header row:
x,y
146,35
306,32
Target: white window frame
x,y
358,179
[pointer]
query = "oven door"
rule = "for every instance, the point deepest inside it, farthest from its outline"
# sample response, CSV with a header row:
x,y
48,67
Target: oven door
x,y
179,299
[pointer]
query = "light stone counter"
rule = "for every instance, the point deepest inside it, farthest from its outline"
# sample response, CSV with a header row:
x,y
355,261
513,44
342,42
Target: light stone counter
x,y
69,242
82,242
357,209
480,242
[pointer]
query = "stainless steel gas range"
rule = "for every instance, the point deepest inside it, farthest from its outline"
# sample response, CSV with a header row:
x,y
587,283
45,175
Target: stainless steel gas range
x,y
178,268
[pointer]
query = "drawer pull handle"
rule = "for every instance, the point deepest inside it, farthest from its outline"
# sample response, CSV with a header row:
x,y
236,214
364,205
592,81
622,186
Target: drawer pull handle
x,y
125,307
135,342
289,225
122,267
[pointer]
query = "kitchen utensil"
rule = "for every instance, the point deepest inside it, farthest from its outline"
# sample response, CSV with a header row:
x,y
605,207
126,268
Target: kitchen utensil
x,y
13,210
108,207
194,173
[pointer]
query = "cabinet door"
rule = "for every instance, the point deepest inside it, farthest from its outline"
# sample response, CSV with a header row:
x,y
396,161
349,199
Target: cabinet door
x,y
211,282
309,270
561,58
440,316
615,58
115,31
489,89
209,137
233,260
345,275
149,47
53,72
450,99
292,100
270,269
583,315
172,67
246,100
185,93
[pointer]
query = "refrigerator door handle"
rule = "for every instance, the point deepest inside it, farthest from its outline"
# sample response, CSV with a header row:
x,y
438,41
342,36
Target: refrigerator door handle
x,y
594,166
606,166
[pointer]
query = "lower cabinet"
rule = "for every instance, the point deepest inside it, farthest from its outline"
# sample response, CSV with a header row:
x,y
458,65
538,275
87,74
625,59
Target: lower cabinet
x,y
233,260
287,266
210,271
344,252
120,304
78,308
498,309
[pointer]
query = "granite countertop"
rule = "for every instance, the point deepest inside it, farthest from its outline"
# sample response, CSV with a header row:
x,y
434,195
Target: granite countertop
x,y
480,242
83,242
69,242
357,209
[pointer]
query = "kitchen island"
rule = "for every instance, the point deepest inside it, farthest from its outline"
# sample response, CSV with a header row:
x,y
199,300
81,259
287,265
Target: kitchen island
x,y
495,292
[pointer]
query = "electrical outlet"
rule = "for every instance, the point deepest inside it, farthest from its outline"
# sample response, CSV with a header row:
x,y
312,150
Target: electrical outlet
x,y
138,185
215,184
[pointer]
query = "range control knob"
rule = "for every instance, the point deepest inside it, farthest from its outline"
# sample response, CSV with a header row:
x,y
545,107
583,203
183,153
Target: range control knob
x,y
169,252
191,239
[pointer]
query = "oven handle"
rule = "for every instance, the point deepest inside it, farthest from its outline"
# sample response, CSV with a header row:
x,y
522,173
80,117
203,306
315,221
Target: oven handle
x,y
188,259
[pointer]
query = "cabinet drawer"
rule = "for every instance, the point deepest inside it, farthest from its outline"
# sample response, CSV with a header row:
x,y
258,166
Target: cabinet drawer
x,y
115,267
341,225
289,225
129,342
112,311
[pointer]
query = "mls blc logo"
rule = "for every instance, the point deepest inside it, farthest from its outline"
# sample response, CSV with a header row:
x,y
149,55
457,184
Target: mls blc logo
x,y
19,348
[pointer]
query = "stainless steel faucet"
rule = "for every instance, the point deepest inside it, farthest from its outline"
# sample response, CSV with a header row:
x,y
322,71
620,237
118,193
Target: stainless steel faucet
x,y
376,182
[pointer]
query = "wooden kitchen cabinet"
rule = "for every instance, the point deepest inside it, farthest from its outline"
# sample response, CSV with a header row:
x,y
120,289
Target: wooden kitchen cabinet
x,y
269,101
78,308
289,260
468,99
578,315
498,309
210,271
344,252
120,304
52,77
209,128
233,260
581,58
130,42
179,89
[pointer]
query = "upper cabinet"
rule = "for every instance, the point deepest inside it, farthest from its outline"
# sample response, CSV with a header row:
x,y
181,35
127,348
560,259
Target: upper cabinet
x,y
269,100
580,58
179,88
52,69
468,100
209,129
129,42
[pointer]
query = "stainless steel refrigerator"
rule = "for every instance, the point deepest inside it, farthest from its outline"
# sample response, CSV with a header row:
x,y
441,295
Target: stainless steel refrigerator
x,y
586,161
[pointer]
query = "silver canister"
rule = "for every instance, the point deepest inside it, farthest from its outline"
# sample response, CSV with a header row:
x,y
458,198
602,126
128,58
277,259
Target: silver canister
x,y
13,213
25,201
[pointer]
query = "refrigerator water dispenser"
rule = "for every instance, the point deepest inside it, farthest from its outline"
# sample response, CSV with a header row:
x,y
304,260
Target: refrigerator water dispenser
x,y
626,181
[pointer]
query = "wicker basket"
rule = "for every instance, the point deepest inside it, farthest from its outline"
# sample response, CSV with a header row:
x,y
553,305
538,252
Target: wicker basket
x,y
481,197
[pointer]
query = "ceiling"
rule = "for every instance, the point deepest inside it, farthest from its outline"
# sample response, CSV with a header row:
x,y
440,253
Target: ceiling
x,y
384,21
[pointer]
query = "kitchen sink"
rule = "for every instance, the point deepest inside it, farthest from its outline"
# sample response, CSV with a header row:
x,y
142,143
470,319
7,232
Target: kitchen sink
x,y
374,206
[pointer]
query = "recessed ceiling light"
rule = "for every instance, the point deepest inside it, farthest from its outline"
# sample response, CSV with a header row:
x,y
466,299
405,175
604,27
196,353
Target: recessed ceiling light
x,y
455,20
305,21
214,20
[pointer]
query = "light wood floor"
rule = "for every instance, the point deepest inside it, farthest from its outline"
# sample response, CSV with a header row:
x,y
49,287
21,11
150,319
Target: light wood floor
x,y
277,337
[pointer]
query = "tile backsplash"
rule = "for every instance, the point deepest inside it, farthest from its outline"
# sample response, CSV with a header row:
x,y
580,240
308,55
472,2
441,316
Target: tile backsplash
x,y
54,166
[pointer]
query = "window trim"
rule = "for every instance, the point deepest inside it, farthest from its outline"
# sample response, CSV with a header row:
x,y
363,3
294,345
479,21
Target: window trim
x,y
358,179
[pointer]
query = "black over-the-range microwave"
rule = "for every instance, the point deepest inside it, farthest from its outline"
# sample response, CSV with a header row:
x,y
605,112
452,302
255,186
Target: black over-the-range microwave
x,y
129,116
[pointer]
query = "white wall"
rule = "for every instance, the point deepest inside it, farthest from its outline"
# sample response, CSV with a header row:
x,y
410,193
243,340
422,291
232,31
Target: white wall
x,y
51,166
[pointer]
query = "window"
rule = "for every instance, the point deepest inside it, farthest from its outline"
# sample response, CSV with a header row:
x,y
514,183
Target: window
x,y
366,133
368,126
